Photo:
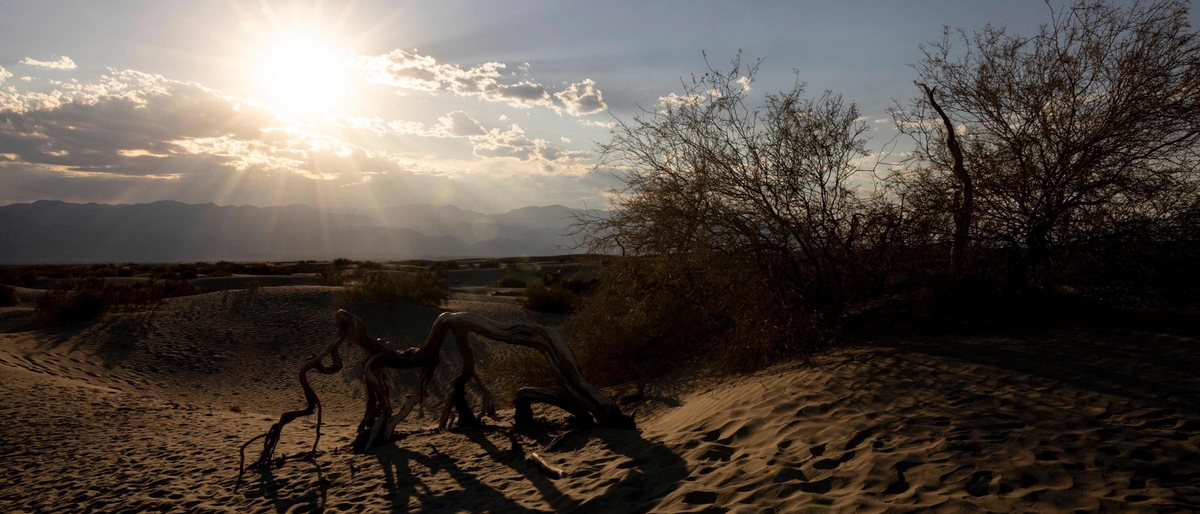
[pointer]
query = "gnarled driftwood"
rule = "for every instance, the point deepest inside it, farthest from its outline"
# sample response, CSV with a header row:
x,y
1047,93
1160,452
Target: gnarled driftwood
x,y
575,394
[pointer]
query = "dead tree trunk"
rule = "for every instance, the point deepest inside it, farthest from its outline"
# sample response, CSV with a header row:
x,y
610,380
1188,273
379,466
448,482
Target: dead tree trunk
x,y
576,395
966,204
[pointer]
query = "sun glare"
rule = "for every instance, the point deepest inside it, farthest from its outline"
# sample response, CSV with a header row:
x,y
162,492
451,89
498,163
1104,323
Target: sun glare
x,y
301,73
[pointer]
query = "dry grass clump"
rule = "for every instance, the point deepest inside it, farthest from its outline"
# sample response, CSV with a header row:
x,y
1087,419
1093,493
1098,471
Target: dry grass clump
x,y
415,287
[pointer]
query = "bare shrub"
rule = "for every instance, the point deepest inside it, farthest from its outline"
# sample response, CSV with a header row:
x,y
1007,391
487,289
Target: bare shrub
x,y
511,281
81,298
742,237
415,287
553,299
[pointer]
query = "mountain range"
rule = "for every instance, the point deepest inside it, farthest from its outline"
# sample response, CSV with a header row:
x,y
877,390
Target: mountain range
x,y
60,232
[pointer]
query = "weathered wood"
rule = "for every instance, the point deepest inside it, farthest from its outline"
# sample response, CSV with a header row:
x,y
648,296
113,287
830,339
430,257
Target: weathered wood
x,y
575,394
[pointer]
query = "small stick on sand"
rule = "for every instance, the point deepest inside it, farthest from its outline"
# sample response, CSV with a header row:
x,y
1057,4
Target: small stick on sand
x,y
546,467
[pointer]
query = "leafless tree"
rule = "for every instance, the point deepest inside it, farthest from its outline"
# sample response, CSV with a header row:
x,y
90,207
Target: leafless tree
x,y
768,187
1088,126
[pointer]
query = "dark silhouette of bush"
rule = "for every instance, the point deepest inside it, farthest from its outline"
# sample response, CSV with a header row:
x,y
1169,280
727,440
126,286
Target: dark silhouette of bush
x,y
8,296
553,299
511,281
489,264
81,298
384,287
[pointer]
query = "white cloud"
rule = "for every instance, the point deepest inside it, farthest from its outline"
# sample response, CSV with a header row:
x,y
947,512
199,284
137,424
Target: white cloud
x,y
63,63
745,82
408,71
566,140
4,74
595,123
582,98
461,124
513,143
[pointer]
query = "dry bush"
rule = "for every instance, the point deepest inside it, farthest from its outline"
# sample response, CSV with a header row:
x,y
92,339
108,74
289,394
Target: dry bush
x,y
415,287
554,299
511,281
82,298
742,236
330,277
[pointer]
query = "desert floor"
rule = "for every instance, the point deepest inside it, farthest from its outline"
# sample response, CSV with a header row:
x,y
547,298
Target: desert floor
x,y
145,411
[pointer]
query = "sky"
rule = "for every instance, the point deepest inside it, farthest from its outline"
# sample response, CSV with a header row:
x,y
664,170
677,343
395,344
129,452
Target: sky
x,y
483,105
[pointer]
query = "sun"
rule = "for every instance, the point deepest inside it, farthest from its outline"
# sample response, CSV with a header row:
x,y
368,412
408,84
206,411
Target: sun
x,y
302,73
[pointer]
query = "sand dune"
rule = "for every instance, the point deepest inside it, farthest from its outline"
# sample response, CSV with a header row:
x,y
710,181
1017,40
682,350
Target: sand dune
x,y
137,412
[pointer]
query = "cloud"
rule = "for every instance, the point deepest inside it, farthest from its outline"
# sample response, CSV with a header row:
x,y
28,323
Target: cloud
x,y
460,124
453,124
141,126
582,98
745,82
409,71
4,74
63,63
595,123
511,143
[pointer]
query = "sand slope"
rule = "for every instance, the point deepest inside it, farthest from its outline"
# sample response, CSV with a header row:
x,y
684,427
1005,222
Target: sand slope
x,y
134,413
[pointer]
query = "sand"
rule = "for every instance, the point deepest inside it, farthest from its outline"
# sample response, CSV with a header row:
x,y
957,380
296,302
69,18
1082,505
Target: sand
x,y
145,411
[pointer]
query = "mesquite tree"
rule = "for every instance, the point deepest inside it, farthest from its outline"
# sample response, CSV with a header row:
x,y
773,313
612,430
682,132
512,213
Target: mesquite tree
x,y
1087,126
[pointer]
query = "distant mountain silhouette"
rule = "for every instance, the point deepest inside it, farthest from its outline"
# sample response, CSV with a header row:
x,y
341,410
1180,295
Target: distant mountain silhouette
x,y
60,232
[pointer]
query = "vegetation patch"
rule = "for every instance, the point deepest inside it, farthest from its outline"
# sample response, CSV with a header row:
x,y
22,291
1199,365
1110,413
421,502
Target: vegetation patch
x,y
383,287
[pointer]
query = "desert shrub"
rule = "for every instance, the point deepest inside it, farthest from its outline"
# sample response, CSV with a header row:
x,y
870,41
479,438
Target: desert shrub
x,y
417,287
72,301
580,286
743,233
82,298
648,315
342,261
489,264
370,265
444,266
330,277
511,281
8,296
543,298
